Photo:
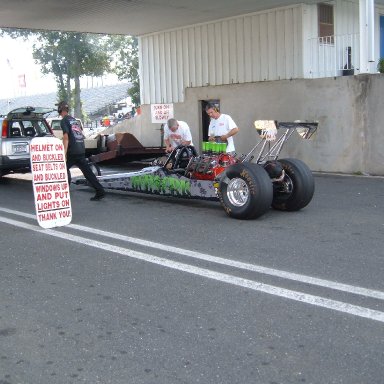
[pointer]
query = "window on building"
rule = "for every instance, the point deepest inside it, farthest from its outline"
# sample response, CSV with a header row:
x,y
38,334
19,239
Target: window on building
x,y
326,23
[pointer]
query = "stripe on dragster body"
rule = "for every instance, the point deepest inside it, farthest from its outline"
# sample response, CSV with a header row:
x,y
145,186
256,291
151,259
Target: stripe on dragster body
x,y
154,180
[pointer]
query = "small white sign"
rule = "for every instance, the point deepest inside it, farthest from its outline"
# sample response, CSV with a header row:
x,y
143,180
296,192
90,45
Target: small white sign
x,y
161,112
50,182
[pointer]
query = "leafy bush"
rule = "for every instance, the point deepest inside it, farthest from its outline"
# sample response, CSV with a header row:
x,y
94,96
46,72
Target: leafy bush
x,y
380,65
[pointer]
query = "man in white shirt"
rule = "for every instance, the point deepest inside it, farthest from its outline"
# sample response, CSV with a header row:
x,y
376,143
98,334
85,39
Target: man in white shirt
x,y
221,128
176,133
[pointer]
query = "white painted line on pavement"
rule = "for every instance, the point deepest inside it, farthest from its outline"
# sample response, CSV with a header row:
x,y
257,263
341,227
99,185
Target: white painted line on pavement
x,y
230,263
233,280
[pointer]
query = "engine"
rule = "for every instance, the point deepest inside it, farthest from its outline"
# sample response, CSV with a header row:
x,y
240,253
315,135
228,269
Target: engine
x,y
208,167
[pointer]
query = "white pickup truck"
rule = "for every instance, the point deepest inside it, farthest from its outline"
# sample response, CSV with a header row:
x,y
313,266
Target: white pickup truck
x,y
91,140
55,125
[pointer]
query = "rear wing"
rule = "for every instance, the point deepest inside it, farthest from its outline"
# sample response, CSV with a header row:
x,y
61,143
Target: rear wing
x,y
274,134
267,129
305,129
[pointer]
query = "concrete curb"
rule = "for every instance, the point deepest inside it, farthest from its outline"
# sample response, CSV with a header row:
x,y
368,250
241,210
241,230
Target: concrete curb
x,y
346,175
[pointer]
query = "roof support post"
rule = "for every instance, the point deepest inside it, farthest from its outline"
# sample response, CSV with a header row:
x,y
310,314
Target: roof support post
x,y
367,35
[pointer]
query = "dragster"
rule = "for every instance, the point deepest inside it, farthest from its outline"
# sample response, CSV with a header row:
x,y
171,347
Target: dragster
x,y
247,186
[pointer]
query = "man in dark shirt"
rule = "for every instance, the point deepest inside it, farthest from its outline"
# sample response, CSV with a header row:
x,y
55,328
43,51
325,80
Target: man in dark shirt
x,y
74,148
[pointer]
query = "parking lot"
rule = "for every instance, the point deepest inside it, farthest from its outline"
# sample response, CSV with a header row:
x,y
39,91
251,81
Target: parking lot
x,y
148,289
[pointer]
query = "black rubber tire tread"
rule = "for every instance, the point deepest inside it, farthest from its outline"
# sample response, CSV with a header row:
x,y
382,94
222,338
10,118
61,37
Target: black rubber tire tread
x,y
260,191
303,186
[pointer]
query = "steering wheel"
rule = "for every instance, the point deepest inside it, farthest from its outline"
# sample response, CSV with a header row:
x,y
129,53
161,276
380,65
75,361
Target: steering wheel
x,y
179,155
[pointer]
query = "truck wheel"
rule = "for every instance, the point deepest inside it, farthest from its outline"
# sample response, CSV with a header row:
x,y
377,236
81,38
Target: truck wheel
x,y
245,191
296,190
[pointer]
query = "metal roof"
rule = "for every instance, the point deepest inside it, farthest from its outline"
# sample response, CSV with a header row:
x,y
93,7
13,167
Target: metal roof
x,y
130,17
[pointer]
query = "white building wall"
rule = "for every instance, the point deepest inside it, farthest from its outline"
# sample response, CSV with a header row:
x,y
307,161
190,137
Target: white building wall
x,y
347,17
271,45
325,59
255,47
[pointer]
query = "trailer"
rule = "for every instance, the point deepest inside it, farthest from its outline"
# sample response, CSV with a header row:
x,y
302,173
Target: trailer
x,y
107,147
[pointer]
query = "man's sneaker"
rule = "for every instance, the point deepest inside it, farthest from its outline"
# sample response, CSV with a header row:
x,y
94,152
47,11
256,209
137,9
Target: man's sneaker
x,y
98,196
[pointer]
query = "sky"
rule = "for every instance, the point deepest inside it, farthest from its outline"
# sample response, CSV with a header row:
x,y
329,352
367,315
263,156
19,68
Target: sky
x,y
21,76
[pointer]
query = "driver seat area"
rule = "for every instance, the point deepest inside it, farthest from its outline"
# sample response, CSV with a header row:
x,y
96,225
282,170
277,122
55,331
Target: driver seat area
x,y
179,158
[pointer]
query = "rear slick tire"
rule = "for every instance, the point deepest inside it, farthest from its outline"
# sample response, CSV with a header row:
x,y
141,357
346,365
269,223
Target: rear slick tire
x,y
245,191
297,188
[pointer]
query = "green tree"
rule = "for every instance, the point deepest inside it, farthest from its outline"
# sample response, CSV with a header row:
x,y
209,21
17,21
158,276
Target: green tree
x,y
124,52
68,56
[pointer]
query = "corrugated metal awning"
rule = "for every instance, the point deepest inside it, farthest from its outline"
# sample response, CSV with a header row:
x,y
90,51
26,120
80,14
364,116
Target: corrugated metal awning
x,y
131,17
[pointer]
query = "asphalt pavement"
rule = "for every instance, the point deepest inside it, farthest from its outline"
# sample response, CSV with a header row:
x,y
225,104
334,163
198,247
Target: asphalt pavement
x,y
155,290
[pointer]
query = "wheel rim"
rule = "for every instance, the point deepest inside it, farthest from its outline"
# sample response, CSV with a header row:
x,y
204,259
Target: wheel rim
x,y
286,186
238,192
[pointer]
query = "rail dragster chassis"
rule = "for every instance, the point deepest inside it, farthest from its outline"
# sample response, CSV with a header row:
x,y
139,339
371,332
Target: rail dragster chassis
x,y
247,186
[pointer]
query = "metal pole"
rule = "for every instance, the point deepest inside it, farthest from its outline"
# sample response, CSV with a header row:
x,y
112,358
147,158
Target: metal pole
x,y
367,35
371,30
363,21
162,136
